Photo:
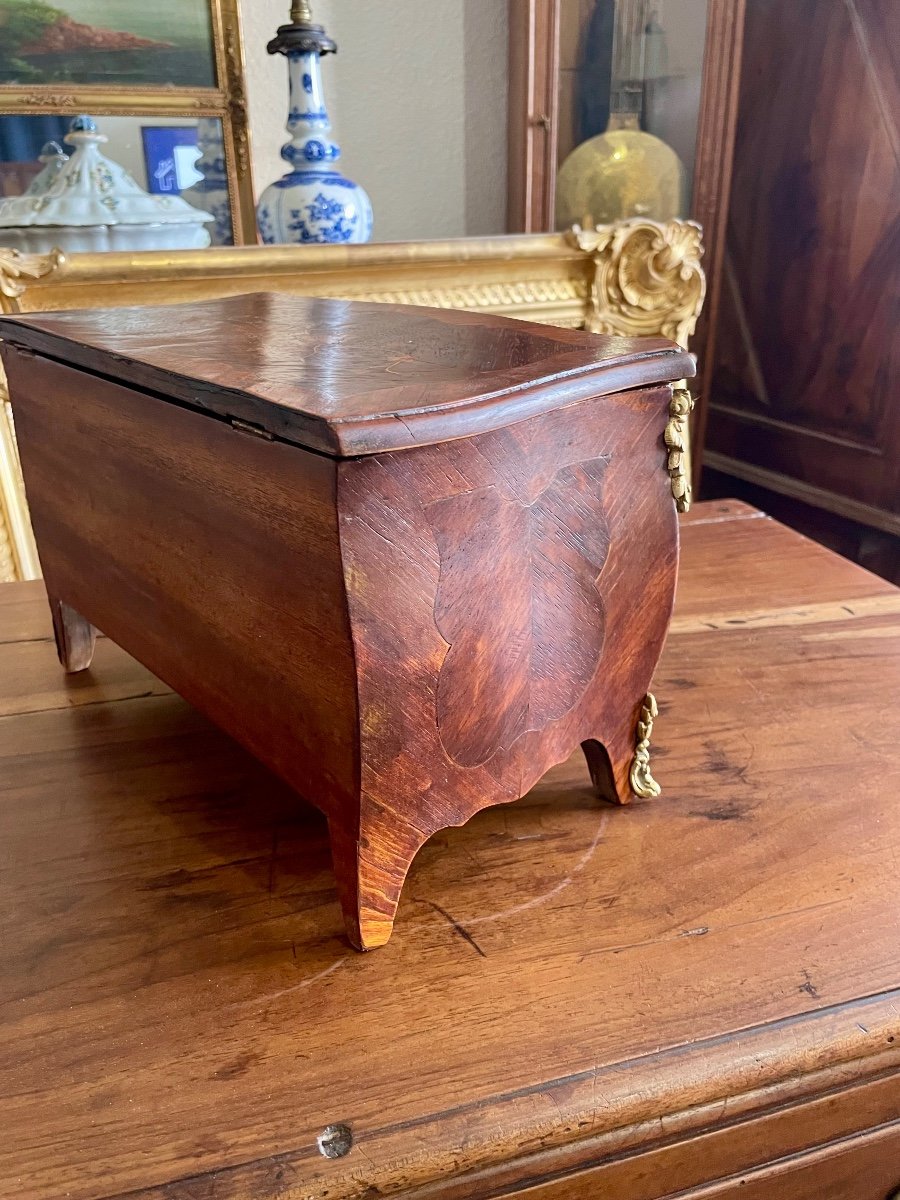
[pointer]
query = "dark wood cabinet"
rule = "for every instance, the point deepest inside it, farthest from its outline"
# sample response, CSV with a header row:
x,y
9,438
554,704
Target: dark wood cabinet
x,y
796,182
803,376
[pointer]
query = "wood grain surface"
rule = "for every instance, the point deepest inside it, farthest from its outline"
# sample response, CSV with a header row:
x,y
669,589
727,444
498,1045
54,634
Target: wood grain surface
x,y
347,377
404,638
509,596
212,555
802,378
578,1000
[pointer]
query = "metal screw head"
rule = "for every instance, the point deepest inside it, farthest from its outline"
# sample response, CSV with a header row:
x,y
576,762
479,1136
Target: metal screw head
x,y
335,1141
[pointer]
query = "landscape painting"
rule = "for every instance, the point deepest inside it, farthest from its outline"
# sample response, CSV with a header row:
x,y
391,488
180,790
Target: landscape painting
x,y
114,43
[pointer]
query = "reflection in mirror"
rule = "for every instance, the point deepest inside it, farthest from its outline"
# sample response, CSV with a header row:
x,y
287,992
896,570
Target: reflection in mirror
x,y
109,42
418,106
629,101
117,183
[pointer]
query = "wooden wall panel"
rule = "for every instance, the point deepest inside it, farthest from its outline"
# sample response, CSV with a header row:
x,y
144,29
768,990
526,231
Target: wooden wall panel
x,y
711,185
803,396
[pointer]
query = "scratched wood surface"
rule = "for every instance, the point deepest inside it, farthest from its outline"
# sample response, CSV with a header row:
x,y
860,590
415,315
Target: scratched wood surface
x,y
578,999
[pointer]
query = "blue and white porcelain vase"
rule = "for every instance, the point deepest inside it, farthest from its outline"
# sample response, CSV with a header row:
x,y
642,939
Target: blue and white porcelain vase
x,y
313,202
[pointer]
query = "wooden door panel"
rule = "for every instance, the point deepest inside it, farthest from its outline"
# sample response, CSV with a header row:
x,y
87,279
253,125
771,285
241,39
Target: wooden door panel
x,y
804,382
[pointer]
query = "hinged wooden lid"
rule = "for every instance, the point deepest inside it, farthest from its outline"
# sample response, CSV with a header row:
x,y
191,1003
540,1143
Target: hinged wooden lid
x,y
343,377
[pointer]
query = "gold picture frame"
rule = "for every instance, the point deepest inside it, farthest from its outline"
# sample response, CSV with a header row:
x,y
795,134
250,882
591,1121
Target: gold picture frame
x,y
227,101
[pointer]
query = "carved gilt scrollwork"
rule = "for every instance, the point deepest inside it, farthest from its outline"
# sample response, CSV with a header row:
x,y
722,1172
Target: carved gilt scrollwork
x,y
676,439
18,554
647,277
642,782
16,269
648,281
47,101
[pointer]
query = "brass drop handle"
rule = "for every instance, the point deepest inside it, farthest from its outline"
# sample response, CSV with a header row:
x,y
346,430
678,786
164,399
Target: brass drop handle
x,y
540,122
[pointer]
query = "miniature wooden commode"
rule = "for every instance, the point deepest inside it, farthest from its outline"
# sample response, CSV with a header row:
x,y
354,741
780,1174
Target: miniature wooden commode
x,y
410,558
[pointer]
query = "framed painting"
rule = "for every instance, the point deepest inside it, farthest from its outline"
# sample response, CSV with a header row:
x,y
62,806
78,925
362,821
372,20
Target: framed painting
x,y
163,59
112,42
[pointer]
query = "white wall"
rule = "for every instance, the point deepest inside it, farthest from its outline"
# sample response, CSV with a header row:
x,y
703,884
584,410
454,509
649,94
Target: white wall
x,y
417,97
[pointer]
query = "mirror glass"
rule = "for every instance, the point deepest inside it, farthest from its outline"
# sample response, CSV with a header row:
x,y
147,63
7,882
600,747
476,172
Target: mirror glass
x,y
418,107
629,101
128,183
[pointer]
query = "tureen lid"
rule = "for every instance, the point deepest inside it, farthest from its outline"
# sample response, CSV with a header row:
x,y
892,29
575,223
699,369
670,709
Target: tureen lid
x,y
91,189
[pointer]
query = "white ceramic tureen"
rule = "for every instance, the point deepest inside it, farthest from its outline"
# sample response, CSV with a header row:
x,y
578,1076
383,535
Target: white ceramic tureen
x,y
89,202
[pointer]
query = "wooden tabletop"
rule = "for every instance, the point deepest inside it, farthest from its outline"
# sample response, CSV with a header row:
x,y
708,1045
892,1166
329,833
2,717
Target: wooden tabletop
x,y
180,1016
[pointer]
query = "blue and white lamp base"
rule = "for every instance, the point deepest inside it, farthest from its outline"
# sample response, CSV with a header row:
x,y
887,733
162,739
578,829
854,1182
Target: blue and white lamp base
x,y
313,202
314,206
